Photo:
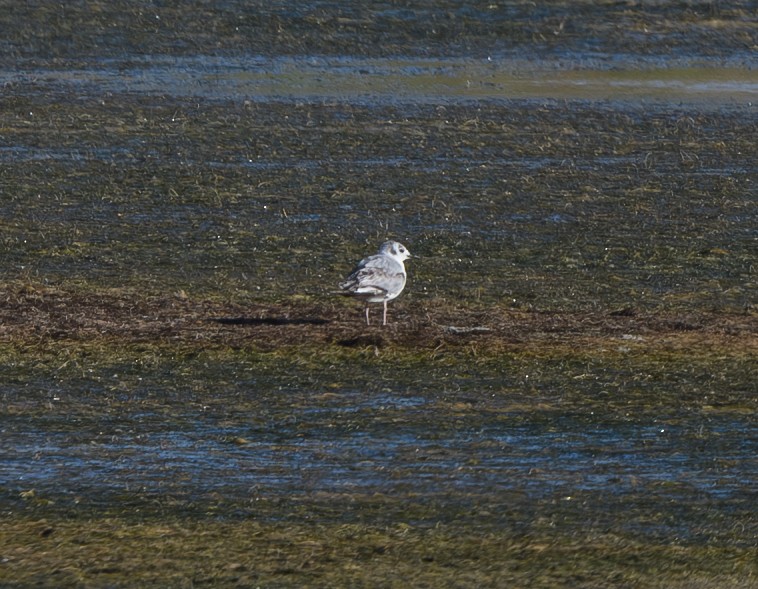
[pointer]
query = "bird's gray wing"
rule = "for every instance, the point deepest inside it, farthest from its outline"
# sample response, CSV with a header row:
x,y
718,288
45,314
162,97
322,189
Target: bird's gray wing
x,y
375,275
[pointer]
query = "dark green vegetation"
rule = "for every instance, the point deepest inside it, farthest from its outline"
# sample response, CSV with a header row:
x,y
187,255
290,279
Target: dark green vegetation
x,y
533,205
565,396
554,28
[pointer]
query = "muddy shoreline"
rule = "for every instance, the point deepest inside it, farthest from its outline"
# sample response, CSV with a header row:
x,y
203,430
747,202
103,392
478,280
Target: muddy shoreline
x,y
40,315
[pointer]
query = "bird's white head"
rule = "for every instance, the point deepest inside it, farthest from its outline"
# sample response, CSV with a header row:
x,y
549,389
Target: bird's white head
x,y
395,250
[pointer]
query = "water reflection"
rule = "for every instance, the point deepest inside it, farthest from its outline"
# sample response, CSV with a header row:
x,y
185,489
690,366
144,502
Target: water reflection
x,y
397,80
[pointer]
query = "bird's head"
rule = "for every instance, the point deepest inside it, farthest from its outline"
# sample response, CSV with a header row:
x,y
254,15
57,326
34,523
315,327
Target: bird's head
x,y
395,249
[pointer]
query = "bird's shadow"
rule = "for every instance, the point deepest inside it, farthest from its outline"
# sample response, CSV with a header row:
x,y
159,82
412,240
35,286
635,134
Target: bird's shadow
x,y
269,321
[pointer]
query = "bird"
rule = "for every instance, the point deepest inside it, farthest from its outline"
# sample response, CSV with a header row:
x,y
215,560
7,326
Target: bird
x,y
378,278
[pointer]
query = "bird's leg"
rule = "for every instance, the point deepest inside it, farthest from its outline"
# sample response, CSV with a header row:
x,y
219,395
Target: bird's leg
x,y
384,317
368,321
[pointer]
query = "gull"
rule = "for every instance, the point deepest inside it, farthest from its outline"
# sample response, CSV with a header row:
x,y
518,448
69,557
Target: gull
x,y
378,278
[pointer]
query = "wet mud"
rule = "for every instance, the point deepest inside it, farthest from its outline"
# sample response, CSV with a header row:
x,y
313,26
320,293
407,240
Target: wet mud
x,y
565,394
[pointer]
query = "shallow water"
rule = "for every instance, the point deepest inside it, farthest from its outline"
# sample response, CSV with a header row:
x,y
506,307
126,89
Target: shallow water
x,y
476,448
449,80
